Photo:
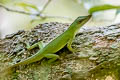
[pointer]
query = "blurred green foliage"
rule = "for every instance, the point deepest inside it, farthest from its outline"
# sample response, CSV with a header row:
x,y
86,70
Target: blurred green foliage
x,y
27,6
4,1
102,8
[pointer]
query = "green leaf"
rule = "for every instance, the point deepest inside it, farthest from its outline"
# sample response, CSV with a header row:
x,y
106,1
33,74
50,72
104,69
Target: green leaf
x,y
102,8
26,6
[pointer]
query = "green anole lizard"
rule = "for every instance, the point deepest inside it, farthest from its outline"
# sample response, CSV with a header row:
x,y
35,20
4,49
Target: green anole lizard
x,y
56,44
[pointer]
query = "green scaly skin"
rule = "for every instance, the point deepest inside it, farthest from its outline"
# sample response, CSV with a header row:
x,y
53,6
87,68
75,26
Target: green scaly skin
x,y
56,44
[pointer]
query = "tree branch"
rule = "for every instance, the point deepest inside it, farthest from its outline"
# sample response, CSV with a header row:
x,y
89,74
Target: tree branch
x,y
97,56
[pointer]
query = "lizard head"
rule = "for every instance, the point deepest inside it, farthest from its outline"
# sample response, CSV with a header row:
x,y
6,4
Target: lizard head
x,y
83,19
78,23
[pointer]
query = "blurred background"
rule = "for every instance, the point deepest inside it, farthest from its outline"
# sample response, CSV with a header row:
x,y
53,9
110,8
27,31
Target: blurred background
x,y
25,14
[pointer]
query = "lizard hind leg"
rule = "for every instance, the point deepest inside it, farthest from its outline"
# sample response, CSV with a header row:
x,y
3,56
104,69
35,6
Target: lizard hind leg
x,y
52,57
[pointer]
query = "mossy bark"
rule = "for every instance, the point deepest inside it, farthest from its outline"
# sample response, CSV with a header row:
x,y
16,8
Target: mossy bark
x,y
97,54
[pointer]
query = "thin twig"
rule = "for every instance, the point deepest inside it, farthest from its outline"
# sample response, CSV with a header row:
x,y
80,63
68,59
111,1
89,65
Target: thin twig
x,y
33,14
65,17
8,9
44,7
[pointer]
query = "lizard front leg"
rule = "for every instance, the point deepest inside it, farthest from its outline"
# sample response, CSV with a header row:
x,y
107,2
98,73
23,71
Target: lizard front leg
x,y
69,45
39,44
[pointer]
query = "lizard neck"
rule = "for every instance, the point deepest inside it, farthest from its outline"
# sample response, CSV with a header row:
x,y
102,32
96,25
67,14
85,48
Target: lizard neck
x,y
74,27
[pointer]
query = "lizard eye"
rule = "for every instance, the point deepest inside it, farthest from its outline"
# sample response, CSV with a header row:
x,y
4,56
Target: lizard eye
x,y
80,20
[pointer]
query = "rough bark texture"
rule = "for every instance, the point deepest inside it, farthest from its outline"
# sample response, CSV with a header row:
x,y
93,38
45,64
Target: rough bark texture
x,y
97,56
